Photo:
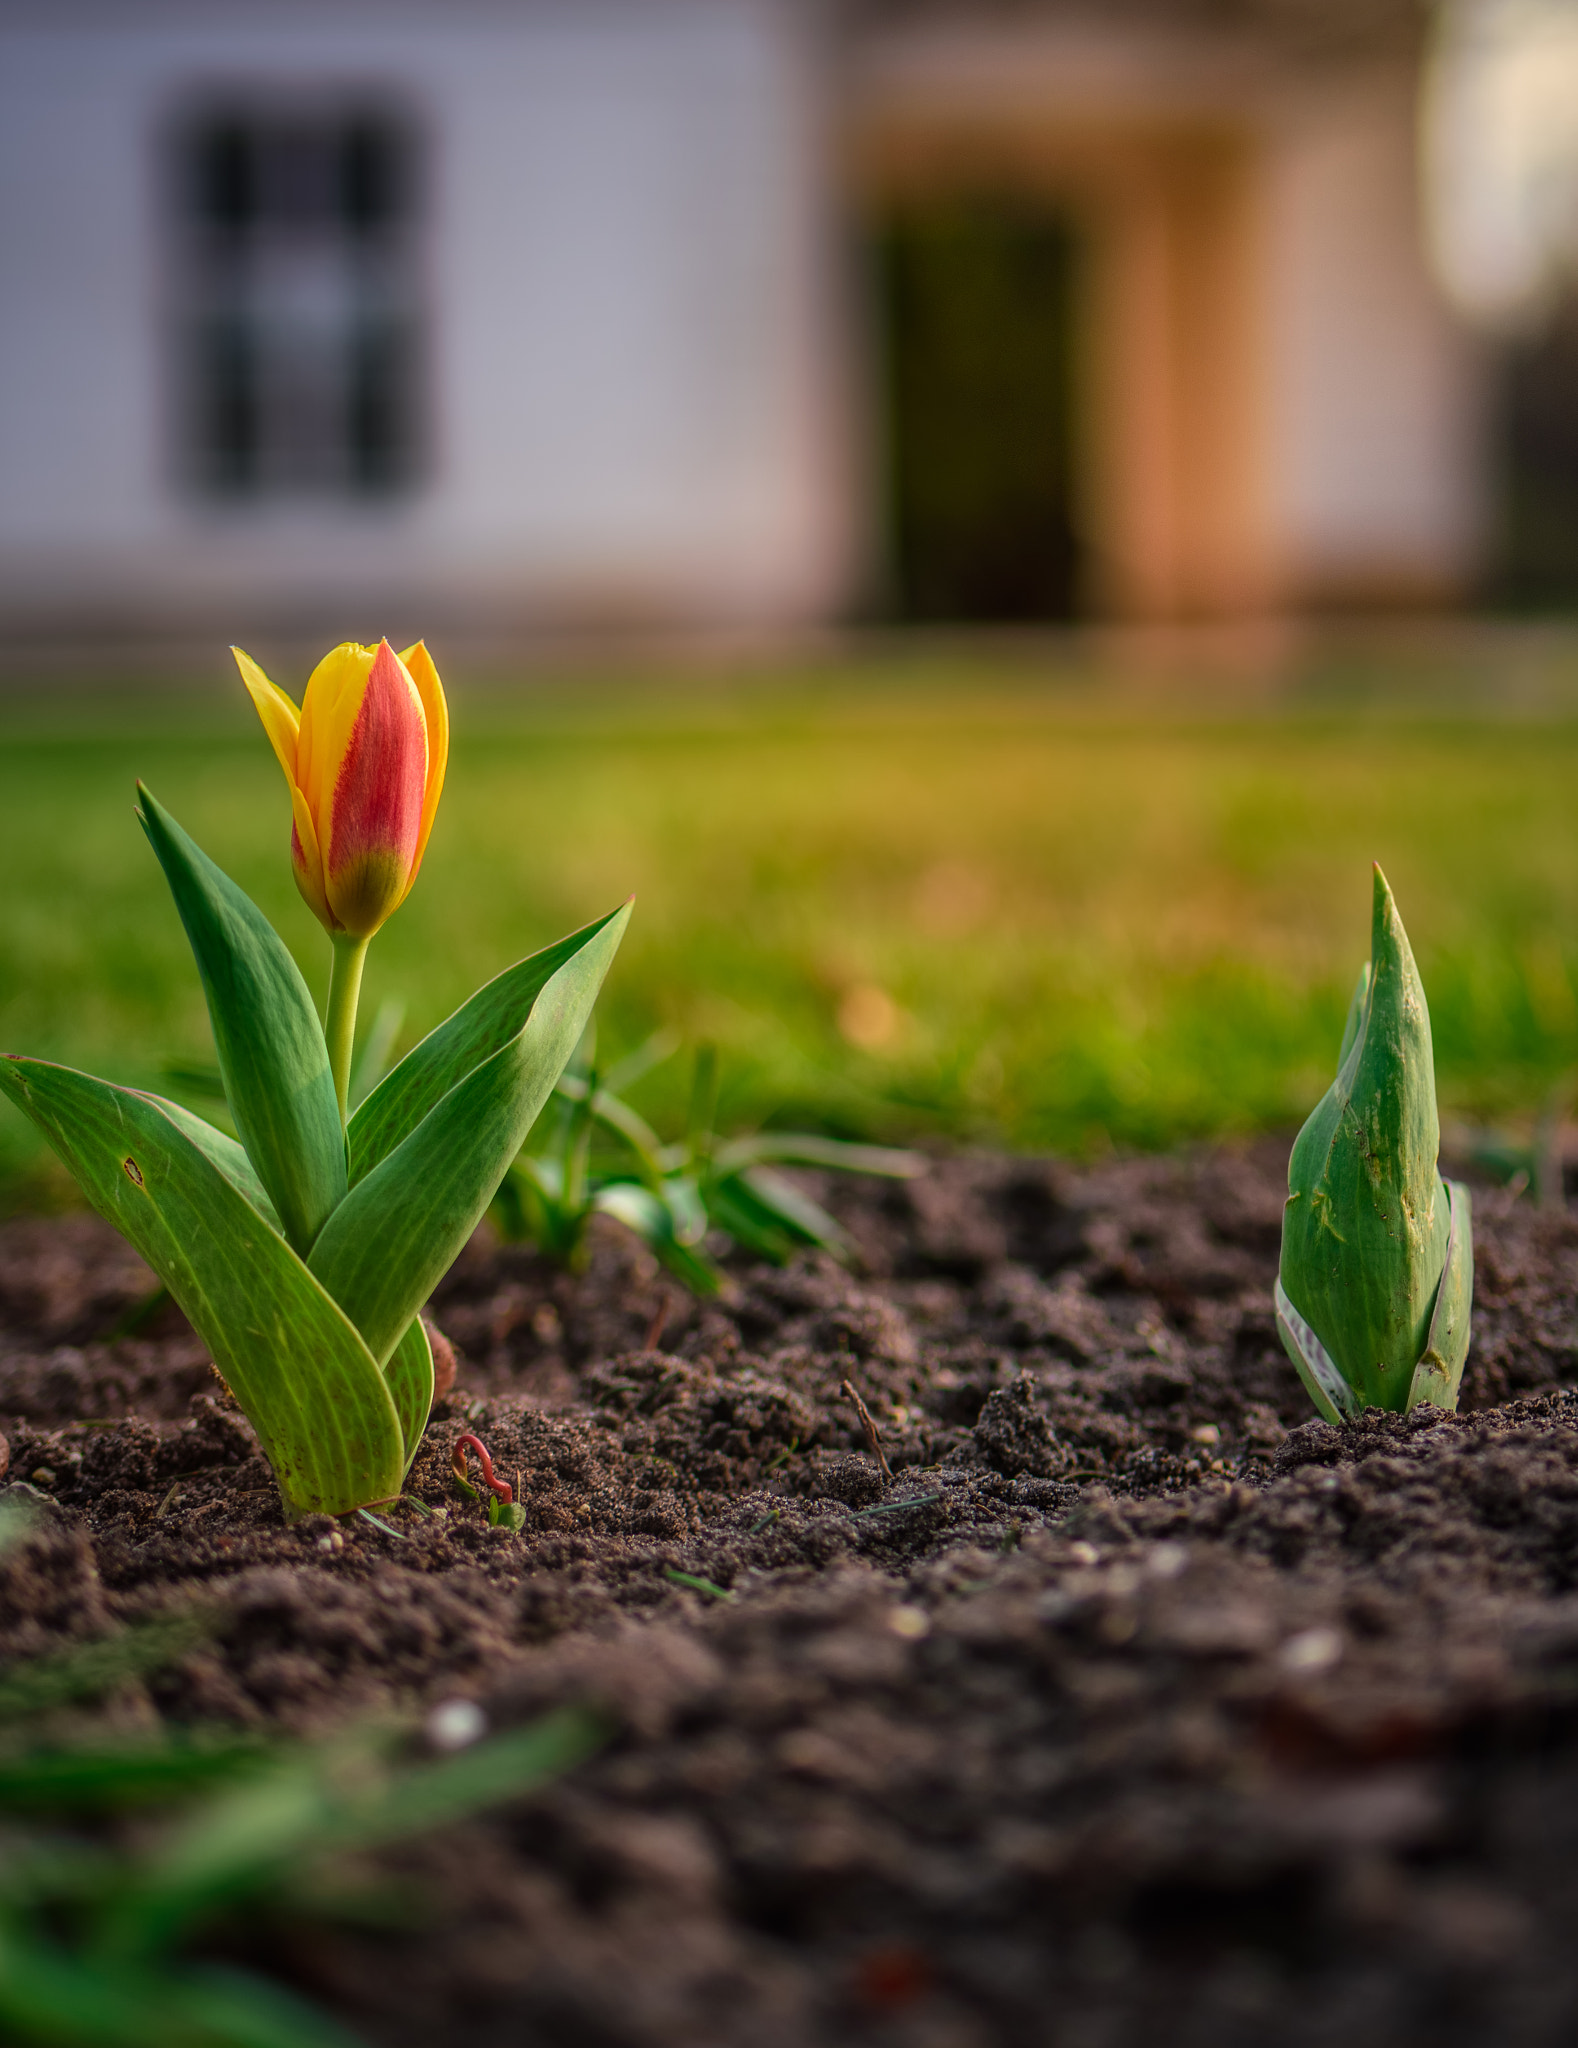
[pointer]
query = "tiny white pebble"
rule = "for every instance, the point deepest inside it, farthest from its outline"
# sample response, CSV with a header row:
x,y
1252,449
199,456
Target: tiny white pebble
x,y
456,1724
910,1622
1084,1553
1167,1560
332,1541
1207,1433
1312,1649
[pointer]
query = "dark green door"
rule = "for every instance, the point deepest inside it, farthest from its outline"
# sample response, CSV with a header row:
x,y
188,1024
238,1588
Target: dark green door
x,y
1536,546
976,299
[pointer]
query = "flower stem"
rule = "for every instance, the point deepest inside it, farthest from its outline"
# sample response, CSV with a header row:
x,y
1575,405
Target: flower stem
x,y
345,986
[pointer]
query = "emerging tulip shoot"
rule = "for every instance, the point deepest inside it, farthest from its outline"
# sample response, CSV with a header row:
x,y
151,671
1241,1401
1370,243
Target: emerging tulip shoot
x,y
303,1254
1377,1276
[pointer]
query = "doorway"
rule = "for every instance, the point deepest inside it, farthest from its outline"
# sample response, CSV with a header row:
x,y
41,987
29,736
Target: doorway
x,y
1535,557
976,300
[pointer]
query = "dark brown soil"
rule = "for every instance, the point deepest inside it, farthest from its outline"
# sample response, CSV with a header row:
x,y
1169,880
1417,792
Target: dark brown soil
x,y
1137,1707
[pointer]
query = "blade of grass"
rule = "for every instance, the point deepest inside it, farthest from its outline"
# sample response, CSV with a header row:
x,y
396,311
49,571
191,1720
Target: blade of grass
x,y
329,1800
90,1669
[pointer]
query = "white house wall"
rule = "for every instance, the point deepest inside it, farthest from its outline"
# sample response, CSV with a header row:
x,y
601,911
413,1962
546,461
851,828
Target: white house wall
x,y
1376,470
633,366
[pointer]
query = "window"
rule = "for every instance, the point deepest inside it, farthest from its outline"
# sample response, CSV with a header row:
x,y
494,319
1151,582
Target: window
x,y
300,315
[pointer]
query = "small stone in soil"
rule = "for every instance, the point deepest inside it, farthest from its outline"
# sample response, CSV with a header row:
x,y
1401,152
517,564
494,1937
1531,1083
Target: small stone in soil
x,y
456,1724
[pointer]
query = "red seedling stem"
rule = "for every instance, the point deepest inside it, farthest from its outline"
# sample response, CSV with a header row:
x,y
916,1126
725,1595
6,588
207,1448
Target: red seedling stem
x,y
501,1487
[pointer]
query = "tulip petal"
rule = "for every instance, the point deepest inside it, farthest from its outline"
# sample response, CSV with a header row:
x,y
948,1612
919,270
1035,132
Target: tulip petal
x,y
435,709
329,707
375,808
307,861
281,719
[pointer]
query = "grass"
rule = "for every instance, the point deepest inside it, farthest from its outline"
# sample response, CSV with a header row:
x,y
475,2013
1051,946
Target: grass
x,y
982,899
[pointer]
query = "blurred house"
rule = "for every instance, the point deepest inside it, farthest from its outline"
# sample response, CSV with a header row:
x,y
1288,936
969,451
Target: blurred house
x,y
516,313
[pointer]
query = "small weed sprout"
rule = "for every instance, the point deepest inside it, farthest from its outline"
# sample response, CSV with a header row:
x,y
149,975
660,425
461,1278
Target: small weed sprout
x,y
601,1157
504,1510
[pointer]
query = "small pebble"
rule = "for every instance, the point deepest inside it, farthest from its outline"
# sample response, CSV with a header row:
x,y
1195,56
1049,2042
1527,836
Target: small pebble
x,y
910,1622
332,1541
1084,1553
42,1475
1167,1560
1312,1649
1207,1433
456,1724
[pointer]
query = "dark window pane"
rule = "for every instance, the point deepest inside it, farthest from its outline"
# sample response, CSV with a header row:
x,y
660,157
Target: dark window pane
x,y
223,182
380,406
301,314
374,185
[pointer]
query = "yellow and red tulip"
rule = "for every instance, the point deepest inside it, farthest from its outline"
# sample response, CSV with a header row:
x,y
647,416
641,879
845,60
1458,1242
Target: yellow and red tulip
x,y
304,1247
364,759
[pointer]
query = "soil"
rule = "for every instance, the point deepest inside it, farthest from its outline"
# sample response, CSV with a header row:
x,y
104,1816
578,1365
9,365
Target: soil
x,y
1130,1705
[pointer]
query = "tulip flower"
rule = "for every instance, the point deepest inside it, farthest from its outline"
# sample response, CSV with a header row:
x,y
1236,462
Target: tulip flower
x,y
1377,1274
303,1245
364,761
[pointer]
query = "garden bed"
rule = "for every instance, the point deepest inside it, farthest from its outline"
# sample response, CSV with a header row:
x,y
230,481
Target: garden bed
x,y
1136,1706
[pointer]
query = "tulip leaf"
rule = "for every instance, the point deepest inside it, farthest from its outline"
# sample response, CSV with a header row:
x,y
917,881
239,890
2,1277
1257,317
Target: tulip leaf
x,y
272,1055
322,1410
1439,1373
477,1030
409,1374
1355,1023
1333,1397
399,1229
227,1155
1368,1218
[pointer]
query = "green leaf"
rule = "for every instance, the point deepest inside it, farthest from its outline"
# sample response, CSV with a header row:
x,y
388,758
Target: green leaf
x,y
87,1670
624,1073
227,1155
372,1062
1439,1373
491,1020
306,1380
640,1210
1355,1019
1334,1399
51,1998
327,1800
764,1213
616,1115
804,1148
410,1377
1367,1223
397,1232
271,1048
128,1774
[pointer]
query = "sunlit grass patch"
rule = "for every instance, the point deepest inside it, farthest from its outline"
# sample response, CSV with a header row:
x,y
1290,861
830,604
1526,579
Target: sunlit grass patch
x,y
971,908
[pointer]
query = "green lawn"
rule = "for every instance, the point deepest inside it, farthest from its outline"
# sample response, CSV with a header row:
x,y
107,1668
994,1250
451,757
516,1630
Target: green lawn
x,y
983,902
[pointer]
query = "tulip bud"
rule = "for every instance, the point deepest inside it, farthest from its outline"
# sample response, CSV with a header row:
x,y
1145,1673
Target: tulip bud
x,y
364,760
1377,1273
